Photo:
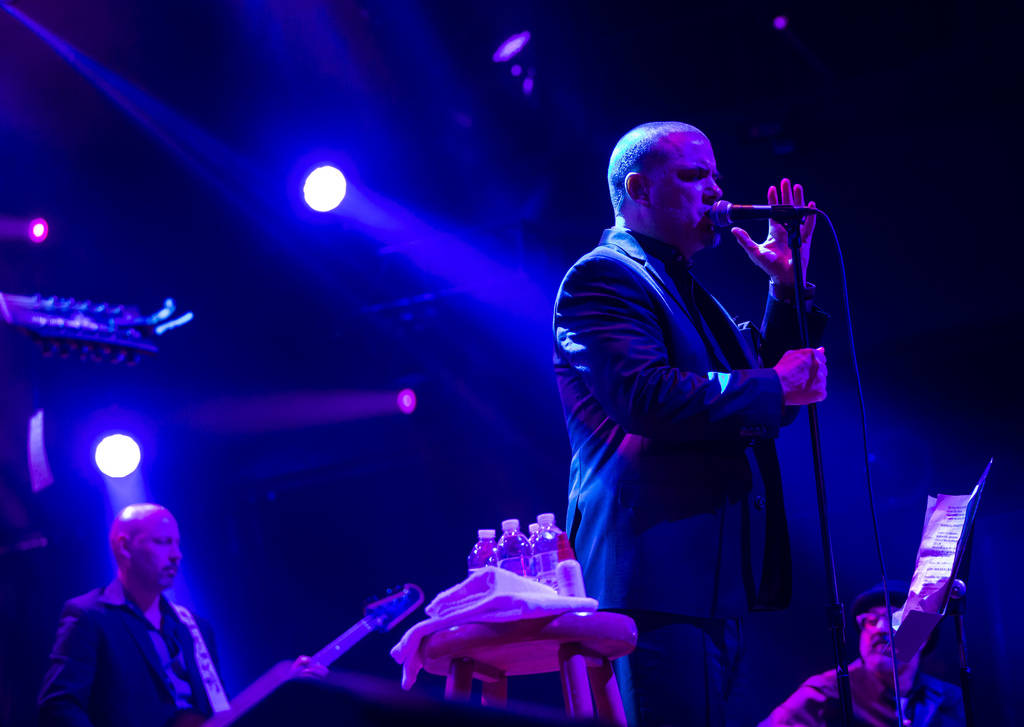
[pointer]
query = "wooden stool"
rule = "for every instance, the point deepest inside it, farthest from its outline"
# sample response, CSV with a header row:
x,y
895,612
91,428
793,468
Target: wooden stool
x,y
574,644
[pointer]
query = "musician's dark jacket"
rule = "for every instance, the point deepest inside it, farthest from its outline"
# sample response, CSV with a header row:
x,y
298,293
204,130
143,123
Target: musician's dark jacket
x,y
931,702
675,496
104,669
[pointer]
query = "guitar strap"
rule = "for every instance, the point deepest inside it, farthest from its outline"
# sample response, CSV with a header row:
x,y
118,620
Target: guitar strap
x,y
211,681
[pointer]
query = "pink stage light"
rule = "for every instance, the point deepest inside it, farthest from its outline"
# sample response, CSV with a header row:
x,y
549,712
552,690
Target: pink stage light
x,y
407,401
780,22
38,230
511,47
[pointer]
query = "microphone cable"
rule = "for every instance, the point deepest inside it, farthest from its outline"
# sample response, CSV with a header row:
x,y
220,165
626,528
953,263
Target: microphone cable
x,y
867,465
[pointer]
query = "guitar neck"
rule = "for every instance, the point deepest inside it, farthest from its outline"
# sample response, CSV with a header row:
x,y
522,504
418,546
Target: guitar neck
x,y
330,653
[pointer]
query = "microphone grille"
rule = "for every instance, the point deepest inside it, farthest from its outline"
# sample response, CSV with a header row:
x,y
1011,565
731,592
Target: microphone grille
x,y
720,213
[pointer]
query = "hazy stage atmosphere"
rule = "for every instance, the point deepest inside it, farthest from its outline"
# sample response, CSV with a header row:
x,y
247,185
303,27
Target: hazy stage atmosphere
x,y
361,389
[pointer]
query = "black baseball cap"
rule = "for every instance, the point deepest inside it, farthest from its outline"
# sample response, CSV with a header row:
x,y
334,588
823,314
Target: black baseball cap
x,y
875,596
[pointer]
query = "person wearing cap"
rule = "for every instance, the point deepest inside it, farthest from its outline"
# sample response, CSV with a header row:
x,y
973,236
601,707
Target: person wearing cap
x,y
927,701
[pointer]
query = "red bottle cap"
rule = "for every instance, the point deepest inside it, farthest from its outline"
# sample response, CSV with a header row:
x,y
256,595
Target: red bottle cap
x,y
565,551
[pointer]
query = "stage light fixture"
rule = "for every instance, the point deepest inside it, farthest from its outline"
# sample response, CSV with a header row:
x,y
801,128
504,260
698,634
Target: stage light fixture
x,y
324,188
117,455
38,230
780,22
407,401
511,47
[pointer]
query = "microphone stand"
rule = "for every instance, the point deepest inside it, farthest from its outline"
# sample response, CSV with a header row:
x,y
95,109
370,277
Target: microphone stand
x,y
834,611
958,608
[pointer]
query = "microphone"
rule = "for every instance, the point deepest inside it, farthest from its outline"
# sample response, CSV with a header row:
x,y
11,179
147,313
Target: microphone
x,y
724,214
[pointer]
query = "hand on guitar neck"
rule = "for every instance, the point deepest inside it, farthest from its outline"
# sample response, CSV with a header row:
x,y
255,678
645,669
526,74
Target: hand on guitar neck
x,y
304,666
379,615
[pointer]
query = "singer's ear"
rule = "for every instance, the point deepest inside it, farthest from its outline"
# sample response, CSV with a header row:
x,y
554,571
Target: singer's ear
x,y
636,188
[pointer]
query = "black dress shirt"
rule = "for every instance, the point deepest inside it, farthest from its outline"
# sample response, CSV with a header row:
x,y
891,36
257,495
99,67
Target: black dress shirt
x,y
169,650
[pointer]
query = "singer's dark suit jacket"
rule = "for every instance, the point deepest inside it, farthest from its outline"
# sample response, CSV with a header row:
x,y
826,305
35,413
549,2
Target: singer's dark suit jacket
x,y
675,494
104,669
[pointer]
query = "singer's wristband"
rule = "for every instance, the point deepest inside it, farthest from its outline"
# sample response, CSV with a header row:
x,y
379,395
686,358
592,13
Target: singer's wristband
x,y
787,293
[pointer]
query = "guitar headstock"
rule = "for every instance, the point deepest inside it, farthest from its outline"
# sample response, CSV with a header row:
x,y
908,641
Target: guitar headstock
x,y
87,330
386,613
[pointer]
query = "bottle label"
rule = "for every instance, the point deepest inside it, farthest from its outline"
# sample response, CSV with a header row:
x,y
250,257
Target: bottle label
x,y
516,565
545,562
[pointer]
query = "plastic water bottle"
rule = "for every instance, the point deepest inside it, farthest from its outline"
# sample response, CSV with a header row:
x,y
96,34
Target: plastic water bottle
x,y
545,550
483,551
513,549
547,520
534,529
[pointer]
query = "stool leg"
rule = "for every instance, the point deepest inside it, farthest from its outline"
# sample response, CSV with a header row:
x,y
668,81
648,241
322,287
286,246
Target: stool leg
x,y
606,693
459,685
495,694
575,686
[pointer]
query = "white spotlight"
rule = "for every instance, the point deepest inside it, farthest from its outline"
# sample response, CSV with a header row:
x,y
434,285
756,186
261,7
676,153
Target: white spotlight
x,y
118,455
324,188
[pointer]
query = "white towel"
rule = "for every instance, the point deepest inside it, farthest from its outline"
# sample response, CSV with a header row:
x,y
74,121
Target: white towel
x,y
488,595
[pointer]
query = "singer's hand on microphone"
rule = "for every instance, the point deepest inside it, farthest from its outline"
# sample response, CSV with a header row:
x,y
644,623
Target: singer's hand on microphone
x,y
802,373
773,255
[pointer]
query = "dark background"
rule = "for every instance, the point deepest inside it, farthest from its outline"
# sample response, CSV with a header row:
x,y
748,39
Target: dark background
x,y
167,158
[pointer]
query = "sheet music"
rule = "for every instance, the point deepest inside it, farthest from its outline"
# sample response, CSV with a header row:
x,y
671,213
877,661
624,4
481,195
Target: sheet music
x,y
947,525
938,553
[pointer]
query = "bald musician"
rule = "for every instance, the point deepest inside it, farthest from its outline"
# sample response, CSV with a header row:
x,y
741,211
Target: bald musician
x,y
125,656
